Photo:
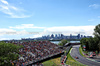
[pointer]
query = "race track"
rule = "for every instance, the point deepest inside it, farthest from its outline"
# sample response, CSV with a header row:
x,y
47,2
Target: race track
x,y
75,52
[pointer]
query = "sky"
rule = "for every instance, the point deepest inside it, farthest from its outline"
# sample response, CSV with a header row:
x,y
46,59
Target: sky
x,y
35,18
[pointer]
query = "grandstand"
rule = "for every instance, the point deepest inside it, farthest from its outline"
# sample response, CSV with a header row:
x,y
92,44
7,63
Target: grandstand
x,y
35,51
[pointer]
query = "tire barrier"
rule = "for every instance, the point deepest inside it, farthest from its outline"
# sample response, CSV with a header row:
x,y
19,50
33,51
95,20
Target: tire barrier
x,y
64,56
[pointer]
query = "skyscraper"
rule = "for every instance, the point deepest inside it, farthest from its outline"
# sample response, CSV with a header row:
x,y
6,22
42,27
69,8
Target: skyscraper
x,y
52,36
78,36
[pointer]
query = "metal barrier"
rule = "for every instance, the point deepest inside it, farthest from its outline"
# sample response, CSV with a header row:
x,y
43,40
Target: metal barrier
x,y
35,61
64,57
68,49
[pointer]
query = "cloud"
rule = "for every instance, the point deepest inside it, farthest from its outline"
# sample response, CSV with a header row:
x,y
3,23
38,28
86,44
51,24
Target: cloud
x,y
87,30
95,6
91,20
66,30
5,2
4,31
11,10
23,26
9,34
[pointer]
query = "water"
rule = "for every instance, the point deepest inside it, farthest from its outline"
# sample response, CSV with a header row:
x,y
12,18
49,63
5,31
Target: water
x,y
55,42
74,41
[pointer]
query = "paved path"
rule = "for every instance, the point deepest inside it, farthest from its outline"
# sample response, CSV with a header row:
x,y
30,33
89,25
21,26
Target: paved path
x,y
75,52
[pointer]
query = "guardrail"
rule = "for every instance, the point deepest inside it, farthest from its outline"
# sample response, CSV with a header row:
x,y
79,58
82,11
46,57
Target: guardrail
x,y
36,61
68,49
64,57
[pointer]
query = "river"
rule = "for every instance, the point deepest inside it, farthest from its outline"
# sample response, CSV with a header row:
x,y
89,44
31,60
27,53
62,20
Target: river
x,y
56,42
74,41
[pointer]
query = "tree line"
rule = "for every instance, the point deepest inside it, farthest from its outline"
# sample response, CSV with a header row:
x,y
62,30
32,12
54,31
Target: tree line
x,y
63,42
93,43
8,52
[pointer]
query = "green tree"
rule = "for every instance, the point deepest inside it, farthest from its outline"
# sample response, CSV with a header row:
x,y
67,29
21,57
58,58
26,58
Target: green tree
x,y
92,44
60,44
63,42
97,31
8,52
84,41
97,34
96,41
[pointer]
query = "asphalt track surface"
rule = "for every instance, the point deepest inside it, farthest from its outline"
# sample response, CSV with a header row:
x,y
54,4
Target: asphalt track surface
x,y
81,59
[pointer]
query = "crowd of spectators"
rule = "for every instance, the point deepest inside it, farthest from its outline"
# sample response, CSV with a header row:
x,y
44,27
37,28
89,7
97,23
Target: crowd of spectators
x,y
35,50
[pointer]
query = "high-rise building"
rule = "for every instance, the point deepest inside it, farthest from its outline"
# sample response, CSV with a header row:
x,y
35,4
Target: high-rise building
x,y
48,37
70,36
81,36
62,35
56,36
78,36
52,36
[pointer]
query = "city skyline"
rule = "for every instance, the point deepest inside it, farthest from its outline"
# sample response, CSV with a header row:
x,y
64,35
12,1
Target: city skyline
x,y
58,37
34,18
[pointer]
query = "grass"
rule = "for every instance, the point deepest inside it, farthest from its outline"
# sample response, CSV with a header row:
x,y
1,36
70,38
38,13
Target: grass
x,y
70,61
73,62
53,62
85,52
81,51
49,63
70,58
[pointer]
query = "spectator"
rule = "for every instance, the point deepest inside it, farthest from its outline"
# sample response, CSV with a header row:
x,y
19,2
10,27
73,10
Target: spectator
x,y
35,50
